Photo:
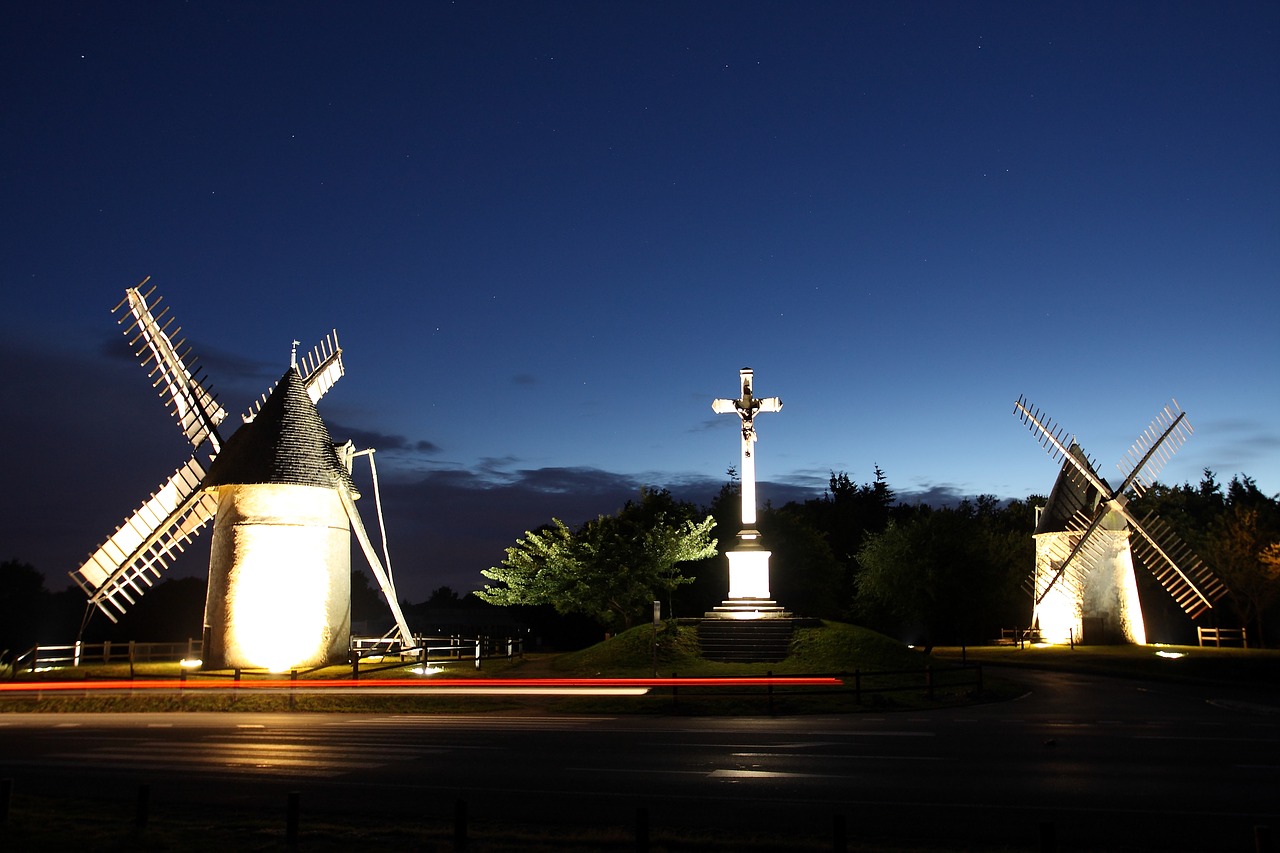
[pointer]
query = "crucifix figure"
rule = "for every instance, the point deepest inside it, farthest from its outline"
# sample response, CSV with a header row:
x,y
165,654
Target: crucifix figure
x,y
747,407
749,561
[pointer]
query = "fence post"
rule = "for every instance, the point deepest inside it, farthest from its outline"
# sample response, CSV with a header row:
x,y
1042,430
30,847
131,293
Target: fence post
x,y
35,655
75,654
460,825
132,644
142,807
479,640
1048,837
642,830
106,651
291,819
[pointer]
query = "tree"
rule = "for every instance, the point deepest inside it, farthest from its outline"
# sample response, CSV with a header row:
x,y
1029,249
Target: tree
x,y
23,603
1243,552
948,573
368,604
612,567
1231,531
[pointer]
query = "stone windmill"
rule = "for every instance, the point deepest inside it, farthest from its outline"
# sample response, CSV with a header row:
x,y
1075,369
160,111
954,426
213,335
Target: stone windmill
x,y
1084,584
283,504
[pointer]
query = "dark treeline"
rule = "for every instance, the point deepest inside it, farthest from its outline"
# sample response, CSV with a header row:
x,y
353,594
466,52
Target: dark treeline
x,y
924,574
954,574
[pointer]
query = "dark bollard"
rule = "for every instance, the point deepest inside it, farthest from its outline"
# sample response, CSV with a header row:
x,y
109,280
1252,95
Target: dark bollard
x,y
928,680
642,830
1262,840
142,808
6,795
839,835
1048,837
460,826
291,819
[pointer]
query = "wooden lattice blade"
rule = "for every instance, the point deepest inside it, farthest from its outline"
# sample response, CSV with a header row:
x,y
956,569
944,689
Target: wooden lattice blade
x,y
1183,575
147,542
193,404
1154,448
1051,437
321,368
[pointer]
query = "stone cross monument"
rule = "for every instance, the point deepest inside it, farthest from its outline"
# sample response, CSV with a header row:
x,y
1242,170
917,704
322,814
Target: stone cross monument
x,y
748,562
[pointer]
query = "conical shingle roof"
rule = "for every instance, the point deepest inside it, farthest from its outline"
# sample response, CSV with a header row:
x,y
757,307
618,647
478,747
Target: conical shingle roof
x,y
286,443
1072,496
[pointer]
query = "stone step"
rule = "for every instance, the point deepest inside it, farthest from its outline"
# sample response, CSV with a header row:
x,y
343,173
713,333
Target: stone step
x,y
741,640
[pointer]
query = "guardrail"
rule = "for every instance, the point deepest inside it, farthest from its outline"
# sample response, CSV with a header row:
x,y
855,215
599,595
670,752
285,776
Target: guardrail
x,y
452,649
1018,636
1220,636
75,654
860,685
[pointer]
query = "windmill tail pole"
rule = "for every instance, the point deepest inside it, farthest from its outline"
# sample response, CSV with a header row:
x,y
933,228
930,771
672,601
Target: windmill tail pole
x,y
384,580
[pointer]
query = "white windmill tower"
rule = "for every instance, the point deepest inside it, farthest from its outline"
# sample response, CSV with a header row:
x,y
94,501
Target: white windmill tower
x,y
282,500
1084,585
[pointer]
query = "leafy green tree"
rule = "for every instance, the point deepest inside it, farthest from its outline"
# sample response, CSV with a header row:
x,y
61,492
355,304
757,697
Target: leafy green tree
x,y
950,573
612,567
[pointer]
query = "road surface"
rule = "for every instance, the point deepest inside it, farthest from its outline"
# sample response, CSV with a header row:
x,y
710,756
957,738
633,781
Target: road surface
x,y
1099,763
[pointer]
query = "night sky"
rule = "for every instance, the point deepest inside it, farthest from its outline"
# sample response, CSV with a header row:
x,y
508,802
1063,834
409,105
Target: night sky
x,y
548,234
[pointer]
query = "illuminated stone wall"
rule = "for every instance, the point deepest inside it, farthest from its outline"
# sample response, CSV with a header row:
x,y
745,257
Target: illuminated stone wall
x,y
279,592
1104,606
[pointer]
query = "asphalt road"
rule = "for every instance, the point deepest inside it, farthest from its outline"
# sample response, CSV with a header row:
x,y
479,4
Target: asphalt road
x,y
1098,763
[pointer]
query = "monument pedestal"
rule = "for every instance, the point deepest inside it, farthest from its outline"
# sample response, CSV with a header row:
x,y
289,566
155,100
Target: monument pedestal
x,y
748,583
747,608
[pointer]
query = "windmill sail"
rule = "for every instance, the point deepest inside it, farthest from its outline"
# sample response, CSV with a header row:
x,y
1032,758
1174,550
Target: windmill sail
x,y
194,405
321,368
1183,575
148,541
1082,501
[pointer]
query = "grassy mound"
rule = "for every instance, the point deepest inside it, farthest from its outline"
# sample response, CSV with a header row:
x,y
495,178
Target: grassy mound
x,y
833,648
